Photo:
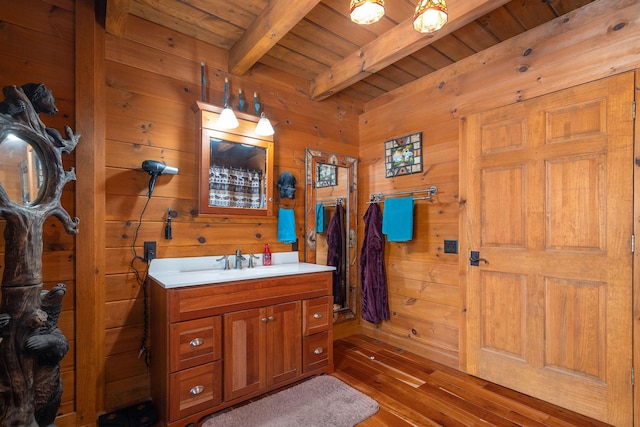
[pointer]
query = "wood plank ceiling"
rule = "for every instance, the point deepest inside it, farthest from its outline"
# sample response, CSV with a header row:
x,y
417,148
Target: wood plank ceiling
x,y
317,41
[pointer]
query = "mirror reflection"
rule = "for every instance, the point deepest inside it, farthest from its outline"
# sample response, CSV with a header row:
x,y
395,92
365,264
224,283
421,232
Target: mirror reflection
x,y
330,223
21,170
236,175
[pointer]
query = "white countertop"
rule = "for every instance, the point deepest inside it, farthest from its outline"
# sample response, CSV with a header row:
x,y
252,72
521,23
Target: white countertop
x,y
191,271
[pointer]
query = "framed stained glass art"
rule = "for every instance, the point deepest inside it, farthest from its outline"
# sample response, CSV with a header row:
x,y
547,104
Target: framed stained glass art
x,y
403,156
327,176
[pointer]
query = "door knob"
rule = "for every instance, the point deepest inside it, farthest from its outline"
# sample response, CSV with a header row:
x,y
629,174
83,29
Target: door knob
x,y
474,259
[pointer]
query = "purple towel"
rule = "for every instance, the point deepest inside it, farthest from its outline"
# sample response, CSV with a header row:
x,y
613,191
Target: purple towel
x,y
373,279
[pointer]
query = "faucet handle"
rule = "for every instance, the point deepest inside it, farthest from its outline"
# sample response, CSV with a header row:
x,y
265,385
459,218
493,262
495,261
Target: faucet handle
x,y
251,262
225,258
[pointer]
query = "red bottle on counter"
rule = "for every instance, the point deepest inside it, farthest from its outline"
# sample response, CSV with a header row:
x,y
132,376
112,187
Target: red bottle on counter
x,y
267,255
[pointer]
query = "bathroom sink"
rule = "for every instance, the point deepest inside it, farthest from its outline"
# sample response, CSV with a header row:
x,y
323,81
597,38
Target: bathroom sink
x,y
192,271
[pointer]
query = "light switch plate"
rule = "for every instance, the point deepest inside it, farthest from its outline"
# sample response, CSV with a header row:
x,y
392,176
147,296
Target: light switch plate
x,y
450,246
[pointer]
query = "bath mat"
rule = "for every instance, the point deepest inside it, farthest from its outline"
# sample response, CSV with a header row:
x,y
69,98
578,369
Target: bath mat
x,y
322,401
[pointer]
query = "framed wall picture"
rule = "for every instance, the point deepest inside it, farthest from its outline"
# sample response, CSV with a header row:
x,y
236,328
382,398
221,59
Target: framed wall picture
x,y
327,176
403,156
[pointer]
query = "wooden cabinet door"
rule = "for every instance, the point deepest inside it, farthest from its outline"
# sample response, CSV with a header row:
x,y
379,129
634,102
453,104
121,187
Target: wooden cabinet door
x,y
284,342
244,352
549,206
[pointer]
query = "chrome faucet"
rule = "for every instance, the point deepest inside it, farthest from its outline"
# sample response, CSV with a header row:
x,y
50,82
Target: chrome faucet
x,y
251,261
226,261
239,259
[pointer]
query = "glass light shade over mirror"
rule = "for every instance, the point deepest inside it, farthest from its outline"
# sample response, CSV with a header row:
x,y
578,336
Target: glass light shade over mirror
x,y
21,170
264,127
227,119
366,11
430,15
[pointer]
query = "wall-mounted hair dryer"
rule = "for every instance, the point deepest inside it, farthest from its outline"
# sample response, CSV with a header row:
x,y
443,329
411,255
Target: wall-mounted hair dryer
x,y
156,169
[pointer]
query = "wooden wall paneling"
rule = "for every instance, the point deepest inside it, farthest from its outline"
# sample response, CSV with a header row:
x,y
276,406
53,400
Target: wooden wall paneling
x,y
122,340
153,79
585,34
636,254
122,287
48,33
89,78
127,155
125,365
52,51
491,78
56,22
122,393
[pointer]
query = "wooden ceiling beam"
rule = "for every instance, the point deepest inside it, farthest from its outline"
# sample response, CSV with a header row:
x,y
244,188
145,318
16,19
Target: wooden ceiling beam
x,y
275,21
117,12
393,45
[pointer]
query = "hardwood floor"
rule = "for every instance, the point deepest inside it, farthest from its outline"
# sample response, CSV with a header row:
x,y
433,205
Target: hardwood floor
x,y
414,391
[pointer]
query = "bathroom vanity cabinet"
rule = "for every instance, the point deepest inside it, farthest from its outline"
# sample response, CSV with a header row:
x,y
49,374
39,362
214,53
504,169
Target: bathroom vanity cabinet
x,y
216,345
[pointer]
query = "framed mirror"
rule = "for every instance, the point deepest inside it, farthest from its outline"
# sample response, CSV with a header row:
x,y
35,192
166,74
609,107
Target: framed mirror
x,y
236,166
330,223
21,169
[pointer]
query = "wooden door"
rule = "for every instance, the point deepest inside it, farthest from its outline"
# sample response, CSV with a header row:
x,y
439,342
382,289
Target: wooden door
x,y
284,342
547,187
244,352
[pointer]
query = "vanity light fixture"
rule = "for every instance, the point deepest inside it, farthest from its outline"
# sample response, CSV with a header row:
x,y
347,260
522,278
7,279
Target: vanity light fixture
x,y
263,128
366,11
430,16
227,118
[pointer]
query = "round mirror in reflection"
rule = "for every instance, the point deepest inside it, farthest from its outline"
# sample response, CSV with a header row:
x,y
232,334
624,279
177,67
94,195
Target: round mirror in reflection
x,y
21,170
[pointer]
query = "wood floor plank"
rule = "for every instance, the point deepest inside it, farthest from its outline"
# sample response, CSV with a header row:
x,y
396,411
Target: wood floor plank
x,y
415,391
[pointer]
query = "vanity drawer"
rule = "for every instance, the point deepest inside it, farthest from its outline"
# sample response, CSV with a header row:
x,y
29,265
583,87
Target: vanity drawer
x,y
317,315
194,390
317,351
195,342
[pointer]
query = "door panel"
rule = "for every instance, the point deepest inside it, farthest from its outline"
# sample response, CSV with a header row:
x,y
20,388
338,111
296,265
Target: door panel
x,y
284,342
548,191
244,352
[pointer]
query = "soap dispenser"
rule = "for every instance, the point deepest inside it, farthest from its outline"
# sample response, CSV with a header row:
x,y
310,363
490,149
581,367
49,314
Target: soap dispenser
x,y
266,260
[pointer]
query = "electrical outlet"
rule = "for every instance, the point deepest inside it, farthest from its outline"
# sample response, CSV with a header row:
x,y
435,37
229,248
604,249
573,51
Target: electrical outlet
x,y
149,251
450,246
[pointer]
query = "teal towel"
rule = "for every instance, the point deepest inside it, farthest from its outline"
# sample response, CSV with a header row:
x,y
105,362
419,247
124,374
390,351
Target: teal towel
x,y
320,218
397,221
286,226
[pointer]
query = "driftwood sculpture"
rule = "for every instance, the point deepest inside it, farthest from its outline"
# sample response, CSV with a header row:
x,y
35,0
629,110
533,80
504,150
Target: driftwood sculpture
x,y
31,345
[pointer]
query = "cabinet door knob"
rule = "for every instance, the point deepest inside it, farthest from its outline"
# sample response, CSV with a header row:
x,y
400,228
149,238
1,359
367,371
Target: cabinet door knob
x,y
271,318
197,390
263,320
317,316
318,350
196,342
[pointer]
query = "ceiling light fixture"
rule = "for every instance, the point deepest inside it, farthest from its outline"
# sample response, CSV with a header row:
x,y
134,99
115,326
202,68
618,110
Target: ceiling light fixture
x,y
430,16
366,11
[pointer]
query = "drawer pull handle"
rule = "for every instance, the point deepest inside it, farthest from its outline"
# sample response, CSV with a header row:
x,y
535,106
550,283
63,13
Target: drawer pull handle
x,y
317,316
197,390
271,318
318,350
196,342
263,320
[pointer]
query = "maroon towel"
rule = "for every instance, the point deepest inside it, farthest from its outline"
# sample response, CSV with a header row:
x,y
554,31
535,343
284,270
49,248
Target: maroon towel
x,y
335,252
373,278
